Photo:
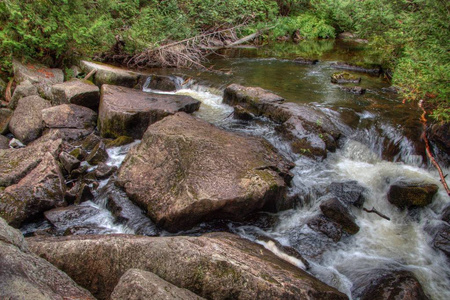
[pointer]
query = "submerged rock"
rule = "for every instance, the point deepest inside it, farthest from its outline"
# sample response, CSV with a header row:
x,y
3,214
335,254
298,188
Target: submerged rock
x,y
357,90
408,195
340,213
305,61
26,276
186,171
76,91
129,112
214,266
137,284
345,66
107,74
349,192
344,77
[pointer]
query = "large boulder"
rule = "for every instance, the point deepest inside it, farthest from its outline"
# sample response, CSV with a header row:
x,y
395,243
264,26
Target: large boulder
x,y
137,284
26,122
107,74
77,91
407,195
26,276
23,90
5,117
15,164
69,121
129,112
186,171
42,189
214,266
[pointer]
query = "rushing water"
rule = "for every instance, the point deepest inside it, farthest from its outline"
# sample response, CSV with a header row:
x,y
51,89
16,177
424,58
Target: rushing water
x,y
381,146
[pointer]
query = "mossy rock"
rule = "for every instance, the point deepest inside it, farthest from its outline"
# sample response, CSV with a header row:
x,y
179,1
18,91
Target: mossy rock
x,y
344,77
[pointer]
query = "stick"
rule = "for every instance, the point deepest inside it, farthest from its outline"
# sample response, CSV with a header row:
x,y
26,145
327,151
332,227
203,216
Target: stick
x,y
373,210
248,37
428,149
90,74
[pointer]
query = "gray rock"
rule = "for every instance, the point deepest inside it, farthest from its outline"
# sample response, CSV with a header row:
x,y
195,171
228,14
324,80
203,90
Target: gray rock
x,y
68,161
63,218
107,74
186,171
129,112
42,189
446,214
214,266
23,90
77,91
344,66
440,235
337,211
26,122
104,171
137,284
326,226
408,195
5,117
349,192
162,83
4,142
98,154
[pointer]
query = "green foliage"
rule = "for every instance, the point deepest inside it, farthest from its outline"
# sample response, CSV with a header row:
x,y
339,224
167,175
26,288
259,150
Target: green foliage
x,y
309,26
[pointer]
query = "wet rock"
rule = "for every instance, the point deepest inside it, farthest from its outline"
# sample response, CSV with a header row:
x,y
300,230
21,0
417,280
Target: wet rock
x,y
63,218
4,142
5,117
357,90
440,235
80,192
120,141
68,161
344,77
107,74
79,153
137,284
77,91
344,66
104,171
326,226
72,122
384,284
26,276
439,136
186,171
90,142
214,266
349,192
162,83
446,214
81,171
337,211
23,90
408,195
305,61
98,154
26,121
391,89
88,230
42,189
129,112
40,76
241,113
15,164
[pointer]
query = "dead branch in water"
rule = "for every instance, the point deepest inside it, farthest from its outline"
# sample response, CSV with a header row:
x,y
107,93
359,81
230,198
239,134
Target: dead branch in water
x,y
373,210
423,119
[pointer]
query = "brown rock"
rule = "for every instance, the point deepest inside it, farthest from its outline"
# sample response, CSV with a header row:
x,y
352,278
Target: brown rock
x,y
326,226
68,161
344,77
407,195
26,122
77,91
40,190
63,218
214,266
129,112
439,135
162,83
107,74
137,284
4,142
186,171
98,154
340,213
23,90
5,117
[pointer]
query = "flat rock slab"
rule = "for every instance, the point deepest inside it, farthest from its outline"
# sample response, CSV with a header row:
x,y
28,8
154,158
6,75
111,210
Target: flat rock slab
x,y
186,171
408,195
108,74
77,91
125,111
137,284
63,218
213,266
26,121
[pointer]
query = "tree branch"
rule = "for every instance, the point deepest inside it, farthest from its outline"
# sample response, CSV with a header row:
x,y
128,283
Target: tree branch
x,y
373,210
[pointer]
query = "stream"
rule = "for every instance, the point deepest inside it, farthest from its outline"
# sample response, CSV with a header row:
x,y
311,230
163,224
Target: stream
x,y
381,146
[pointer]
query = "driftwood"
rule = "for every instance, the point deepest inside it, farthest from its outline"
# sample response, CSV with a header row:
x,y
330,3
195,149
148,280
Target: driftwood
x,y
92,72
373,210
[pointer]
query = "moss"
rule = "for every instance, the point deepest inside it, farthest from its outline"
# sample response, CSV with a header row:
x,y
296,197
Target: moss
x,y
120,141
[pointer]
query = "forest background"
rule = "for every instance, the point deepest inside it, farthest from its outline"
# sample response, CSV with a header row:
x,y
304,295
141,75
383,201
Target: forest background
x,y
408,37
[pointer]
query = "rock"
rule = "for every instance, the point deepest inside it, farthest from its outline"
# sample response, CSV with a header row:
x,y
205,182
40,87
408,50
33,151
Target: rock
x,y
69,121
79,193
4,142
77,91
104,171
90,142
440,235
68,161
120,141
186,171
446,214
241,113
344,77
408,195
107,74
162,83
385,284
129,112
15,143
23,90
346,35
15,164
439,137
79,153
326,226
214,266
137,284
344,66
98,154
349,192
5,117
305,61
337,211
42,189
26,122
26,276
357,90
40,76
3,86
88,230
63,218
